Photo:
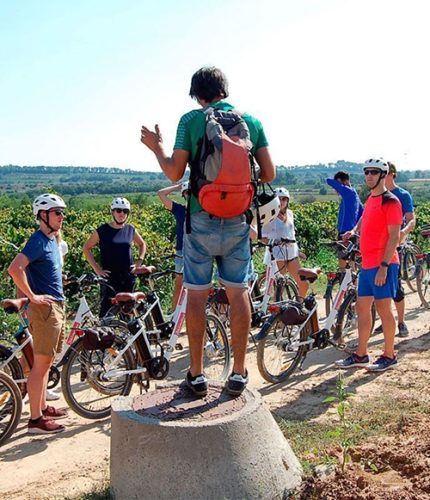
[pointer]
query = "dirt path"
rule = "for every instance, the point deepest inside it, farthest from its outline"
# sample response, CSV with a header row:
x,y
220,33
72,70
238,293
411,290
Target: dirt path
x,y
77,461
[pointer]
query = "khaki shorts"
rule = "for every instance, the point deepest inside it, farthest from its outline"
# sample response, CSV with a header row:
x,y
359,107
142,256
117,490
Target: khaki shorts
x,y
47,326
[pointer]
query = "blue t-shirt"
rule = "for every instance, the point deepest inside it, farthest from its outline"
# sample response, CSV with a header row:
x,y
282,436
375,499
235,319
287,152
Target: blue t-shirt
x,y
350,209
405,199
178,211
115,248
44,269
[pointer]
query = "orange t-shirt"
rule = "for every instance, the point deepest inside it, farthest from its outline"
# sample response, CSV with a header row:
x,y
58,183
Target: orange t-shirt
x,y
379,212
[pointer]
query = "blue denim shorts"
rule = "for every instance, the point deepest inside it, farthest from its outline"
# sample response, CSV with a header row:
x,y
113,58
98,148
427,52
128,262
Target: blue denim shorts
x,y
367,287
224,241
179,261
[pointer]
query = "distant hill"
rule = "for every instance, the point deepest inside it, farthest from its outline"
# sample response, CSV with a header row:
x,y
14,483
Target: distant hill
x,y
306,181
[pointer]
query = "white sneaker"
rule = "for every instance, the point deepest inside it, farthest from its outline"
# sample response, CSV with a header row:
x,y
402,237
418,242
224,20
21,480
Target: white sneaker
x,y
51,395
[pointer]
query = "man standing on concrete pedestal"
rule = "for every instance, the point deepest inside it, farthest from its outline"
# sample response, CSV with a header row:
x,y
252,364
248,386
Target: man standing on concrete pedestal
x,y
224,240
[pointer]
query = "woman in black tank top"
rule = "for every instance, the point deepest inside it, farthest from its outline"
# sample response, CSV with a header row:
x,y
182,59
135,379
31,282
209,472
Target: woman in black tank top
x,y
116,260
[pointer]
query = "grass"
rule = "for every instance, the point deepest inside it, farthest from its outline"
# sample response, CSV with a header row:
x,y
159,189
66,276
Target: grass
x,y
313,441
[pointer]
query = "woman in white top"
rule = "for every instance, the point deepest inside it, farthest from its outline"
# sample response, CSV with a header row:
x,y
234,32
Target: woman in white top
x,y
287,256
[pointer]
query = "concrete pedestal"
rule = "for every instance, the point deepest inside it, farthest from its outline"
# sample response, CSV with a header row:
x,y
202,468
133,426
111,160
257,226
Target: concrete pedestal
x,y
167,444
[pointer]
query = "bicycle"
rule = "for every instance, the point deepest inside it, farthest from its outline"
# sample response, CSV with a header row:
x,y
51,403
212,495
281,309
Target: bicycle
x,y
292,330
141,352
423,272
334,279
408,253
10,406
9,356
261,290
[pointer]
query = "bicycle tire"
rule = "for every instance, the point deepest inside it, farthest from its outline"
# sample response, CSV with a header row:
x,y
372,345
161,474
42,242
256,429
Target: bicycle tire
x,y
84,391
10,406
410,266
286,289
423,284
216,351
346,325
14,369
272,352
330,294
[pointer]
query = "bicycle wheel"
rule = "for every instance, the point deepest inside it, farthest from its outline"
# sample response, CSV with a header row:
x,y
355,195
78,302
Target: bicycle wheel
x,y
10,406
409,262
216,351
81,379
286,289
14,369
423,283
277,357
346,327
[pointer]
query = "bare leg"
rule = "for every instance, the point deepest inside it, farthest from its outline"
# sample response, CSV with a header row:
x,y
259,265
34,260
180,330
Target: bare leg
x,y
383,306
36,384
400,307
293,268
178,286
364,312
240,325
196,324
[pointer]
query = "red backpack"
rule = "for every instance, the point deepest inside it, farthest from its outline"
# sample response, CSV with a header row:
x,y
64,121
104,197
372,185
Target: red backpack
x,y
222,175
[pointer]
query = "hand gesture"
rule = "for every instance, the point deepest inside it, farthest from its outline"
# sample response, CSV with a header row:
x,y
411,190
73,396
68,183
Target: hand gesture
x,y
42,299
152,140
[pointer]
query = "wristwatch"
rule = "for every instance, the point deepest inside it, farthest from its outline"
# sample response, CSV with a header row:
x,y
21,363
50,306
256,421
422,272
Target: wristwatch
x,y
384,264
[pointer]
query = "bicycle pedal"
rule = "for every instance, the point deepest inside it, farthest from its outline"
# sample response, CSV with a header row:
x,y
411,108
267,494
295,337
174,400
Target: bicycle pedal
x,y
179,347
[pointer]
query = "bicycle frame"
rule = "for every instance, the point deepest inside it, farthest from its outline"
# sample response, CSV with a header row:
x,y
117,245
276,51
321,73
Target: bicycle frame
x,y
177,322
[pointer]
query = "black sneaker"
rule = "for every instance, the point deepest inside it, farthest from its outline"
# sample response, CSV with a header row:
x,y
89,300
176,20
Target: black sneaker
x,y
198,384
403,330
236,383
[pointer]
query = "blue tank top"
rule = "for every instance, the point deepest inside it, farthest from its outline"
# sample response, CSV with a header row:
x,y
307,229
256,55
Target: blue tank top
x,y
115,248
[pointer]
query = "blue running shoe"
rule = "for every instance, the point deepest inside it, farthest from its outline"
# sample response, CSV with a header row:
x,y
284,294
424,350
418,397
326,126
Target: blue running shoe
x,y
353,361
382,363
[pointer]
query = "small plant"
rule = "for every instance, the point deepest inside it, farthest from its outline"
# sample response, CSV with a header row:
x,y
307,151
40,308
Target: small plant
x,y
346,429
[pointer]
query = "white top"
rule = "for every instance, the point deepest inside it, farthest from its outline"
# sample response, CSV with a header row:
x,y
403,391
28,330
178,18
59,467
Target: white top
x,y
278,229
63,247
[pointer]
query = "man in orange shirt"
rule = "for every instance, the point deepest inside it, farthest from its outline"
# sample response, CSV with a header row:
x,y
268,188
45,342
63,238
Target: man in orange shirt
x,y
378,280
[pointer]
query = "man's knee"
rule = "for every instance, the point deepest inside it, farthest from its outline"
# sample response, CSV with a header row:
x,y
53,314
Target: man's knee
x,y
383,307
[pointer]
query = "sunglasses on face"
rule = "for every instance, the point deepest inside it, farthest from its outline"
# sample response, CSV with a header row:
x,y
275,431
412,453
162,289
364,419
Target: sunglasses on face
x,y
121,210
372,171
57,212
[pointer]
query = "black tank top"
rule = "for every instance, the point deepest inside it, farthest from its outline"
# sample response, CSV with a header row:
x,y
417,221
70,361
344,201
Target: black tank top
x,y
115,248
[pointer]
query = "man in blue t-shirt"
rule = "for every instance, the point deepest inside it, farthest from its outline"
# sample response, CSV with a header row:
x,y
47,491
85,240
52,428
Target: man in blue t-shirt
x,y
178,210
350,209
36,271
408,225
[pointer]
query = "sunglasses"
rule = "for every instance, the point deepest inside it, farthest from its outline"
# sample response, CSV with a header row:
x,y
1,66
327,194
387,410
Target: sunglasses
x,y
372,171
57,212
121,210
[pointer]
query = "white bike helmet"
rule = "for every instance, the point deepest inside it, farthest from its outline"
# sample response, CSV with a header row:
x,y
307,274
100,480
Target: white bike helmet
x,y
47,201
268,207
282,193
120,203
184,187
379,163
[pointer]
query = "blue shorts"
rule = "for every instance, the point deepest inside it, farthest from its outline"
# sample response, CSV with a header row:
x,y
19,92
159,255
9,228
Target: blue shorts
x,y
225,241
179,262
367,287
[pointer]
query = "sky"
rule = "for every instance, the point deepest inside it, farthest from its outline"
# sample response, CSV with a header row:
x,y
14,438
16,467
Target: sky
x,y
329,79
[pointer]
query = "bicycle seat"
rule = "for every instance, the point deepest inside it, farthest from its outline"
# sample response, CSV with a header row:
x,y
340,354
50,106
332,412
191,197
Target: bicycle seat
x,y
307,274
128,297
14,305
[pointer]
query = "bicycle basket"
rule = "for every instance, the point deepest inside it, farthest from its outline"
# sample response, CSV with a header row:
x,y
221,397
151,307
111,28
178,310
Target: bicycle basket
x,y
293,313
98,339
